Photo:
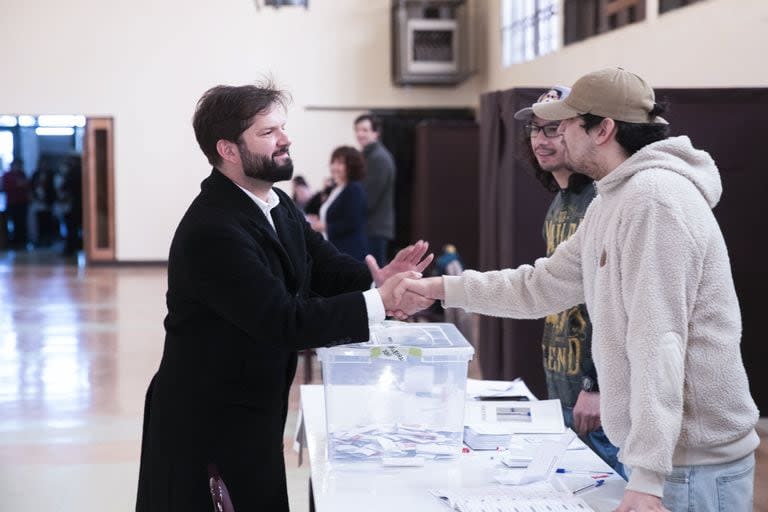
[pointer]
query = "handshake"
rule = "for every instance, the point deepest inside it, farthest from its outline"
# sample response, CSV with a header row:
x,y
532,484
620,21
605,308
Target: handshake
x,y
400,284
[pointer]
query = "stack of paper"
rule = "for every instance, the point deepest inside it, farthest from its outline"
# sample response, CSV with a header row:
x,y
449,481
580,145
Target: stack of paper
x,y
514,417
485,437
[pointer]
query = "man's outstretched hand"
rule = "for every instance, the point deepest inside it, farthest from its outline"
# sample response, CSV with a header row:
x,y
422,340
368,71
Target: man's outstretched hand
x,y
429,288
406,303
410,258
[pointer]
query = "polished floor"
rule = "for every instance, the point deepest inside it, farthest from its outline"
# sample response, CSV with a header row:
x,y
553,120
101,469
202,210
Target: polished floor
x,y
78,346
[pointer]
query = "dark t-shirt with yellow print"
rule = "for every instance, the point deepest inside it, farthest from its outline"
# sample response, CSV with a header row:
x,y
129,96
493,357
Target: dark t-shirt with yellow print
x,y
567,340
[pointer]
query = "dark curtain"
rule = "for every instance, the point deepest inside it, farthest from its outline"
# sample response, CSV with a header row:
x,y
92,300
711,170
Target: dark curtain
x,y
513,206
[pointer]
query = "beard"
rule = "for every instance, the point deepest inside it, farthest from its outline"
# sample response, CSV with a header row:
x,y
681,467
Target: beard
x,y
263,167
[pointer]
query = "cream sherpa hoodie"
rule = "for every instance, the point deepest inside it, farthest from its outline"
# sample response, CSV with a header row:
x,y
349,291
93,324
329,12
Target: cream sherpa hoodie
x,y
651,264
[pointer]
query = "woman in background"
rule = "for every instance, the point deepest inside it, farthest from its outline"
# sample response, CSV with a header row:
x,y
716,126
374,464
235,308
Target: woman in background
x,y
342,215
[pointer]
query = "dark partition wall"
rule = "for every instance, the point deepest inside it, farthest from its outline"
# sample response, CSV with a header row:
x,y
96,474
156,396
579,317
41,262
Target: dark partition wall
x,y
728,123
512,209
445,187
398,134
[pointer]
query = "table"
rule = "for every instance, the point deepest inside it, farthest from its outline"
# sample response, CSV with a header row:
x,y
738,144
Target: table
x,y
368,486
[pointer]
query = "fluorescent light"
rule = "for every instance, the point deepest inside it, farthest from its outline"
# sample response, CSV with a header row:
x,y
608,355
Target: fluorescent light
x,y
9,121
27,121
61,120
55,130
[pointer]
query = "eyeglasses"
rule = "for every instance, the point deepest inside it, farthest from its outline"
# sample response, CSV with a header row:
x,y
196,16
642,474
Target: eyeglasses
x,y
550,130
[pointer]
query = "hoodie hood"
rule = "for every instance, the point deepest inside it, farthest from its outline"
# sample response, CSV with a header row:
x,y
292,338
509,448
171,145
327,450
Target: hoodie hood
x,y
675,154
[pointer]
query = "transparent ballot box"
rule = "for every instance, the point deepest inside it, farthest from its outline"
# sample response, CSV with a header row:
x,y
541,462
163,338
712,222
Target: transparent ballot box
x,y
399,397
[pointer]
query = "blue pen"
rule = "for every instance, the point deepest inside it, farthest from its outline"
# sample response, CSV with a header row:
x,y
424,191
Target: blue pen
x,y
595,484
582,472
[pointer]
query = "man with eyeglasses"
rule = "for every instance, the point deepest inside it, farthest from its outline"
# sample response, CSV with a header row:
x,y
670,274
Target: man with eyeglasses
x,y
567,341
650,261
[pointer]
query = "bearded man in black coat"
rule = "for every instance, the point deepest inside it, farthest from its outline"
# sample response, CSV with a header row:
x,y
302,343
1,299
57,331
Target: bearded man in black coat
x,y
249,284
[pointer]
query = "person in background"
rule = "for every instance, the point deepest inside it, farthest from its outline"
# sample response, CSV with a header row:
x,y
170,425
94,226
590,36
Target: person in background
x,y
70,199
44,199
17,193
319,197
301,192
379,186
567,340
342,215
249,285
650,261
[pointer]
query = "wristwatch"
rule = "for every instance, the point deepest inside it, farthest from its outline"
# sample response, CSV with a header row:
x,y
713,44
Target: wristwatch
x,y
589,384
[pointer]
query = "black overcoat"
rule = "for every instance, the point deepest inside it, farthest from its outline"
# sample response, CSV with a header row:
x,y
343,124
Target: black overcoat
x,y
241,301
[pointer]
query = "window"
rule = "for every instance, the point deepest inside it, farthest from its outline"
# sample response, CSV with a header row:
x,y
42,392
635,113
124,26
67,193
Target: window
x,y
6,149
529,28
587,18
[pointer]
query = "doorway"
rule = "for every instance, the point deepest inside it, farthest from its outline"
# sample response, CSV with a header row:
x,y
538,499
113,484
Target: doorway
x,y
57,189
41,161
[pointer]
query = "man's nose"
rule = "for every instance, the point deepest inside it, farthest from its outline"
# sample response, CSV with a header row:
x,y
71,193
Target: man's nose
x,y
284,140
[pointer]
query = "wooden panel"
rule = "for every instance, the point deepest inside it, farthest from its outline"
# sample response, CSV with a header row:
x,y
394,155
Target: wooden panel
x,y
617,6
668,5
98,191
587,18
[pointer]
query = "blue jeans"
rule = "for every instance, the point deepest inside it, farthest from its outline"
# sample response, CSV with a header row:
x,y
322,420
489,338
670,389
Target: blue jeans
x,y
599,443
377,247
711,488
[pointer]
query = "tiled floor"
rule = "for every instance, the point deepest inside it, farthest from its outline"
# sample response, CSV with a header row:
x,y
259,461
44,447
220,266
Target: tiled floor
x,y
77,349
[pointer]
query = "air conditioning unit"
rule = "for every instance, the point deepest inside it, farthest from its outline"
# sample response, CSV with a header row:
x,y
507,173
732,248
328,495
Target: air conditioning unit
x,y
429,42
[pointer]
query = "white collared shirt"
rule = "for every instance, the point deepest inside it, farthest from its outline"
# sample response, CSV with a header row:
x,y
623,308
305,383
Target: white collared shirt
x,y
373,303
265,206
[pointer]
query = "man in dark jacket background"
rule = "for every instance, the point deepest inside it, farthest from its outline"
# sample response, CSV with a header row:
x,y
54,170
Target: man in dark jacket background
x,y
379,186
249,284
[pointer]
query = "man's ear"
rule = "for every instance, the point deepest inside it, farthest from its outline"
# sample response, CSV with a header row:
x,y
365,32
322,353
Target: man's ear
x,y
606,131
228,151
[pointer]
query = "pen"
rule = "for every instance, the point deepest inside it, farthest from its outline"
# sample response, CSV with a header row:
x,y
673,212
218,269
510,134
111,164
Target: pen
x,y
593,474
595,484
502,398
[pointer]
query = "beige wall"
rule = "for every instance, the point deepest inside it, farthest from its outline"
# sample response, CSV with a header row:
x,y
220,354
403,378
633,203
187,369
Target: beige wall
x,y
146,62
715,43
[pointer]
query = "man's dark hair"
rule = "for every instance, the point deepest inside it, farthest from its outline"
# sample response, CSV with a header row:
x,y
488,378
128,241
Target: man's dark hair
x,y
576,182
375,121
353,161
225,112
299,180
633,137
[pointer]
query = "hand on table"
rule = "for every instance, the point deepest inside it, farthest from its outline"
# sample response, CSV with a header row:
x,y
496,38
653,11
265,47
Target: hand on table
x,y
586,413
640,502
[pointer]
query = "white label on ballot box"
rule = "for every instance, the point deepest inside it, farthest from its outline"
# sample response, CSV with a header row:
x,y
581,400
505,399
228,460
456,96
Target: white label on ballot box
x,y
394,352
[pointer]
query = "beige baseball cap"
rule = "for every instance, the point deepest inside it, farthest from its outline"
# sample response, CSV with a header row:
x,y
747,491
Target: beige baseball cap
x,y
612,92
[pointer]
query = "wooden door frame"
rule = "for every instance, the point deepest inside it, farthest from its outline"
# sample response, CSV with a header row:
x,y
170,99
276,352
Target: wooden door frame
x,y
99,192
